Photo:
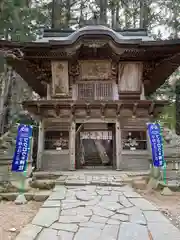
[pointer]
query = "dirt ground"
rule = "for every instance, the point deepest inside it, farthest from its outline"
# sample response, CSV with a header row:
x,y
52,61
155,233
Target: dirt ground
x,y
169,205
14,217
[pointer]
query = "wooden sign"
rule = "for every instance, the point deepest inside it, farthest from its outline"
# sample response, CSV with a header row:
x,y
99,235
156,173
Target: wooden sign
x,y
96,135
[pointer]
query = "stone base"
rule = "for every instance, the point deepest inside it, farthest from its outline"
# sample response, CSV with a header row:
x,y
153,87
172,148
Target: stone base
x,y
39,196
139,184
20,200
44,184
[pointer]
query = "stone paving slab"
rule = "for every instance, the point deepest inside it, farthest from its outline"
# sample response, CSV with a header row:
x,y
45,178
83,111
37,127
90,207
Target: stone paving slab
x,y
63,235
132,231
91,212
58,195
51,203
155,217
92,225
143,204
48,233
65,227
110,232
77,211
88,234
29,232
164,231
46,217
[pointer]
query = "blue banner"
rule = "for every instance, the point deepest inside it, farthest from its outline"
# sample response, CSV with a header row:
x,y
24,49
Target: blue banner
x,y
156,141
21,153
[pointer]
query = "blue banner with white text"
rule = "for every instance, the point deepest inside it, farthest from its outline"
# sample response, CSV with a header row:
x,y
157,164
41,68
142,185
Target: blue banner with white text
x,y
23,141
156,141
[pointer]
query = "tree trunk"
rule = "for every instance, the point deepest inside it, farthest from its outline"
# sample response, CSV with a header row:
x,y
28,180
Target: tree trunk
x,y
57,8
5,97
53,14
142,13
175,20
68,13
117,15
7,100
126,14
103,11
134,14
113,17
81,18
178,108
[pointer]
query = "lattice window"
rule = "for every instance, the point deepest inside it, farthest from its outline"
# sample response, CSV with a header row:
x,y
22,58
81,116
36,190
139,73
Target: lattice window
x,y
86,91
95,91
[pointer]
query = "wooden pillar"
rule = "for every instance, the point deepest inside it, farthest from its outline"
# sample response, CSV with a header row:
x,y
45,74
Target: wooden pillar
x,y
40,144
72,146
118,145
48,92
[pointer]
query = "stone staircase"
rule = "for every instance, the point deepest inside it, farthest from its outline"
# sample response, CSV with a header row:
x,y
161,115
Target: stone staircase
x,y
91,155
93,159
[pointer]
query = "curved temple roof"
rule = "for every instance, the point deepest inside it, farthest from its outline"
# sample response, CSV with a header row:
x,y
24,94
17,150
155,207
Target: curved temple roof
x,y
136,46
71,37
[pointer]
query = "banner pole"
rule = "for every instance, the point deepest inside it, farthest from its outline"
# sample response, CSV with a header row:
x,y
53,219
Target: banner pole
x,y
26,169
164,173
164,165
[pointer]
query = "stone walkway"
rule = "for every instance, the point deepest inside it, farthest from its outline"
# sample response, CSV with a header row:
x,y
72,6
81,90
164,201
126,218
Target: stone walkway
x,y
95,212
94,177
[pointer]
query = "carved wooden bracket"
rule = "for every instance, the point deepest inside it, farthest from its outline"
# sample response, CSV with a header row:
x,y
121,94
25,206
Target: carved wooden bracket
x,y
114,70
134,109
148,68
74,71
151,109
88,110
103,108
38,109
118,110
73,109
57,110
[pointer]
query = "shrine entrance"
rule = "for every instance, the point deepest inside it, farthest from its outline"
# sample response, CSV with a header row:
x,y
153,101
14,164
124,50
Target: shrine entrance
x,y
95,148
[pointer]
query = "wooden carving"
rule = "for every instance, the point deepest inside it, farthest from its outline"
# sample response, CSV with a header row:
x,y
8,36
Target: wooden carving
x,y
148,69
129,77
74,72
60,80
95,70
114,71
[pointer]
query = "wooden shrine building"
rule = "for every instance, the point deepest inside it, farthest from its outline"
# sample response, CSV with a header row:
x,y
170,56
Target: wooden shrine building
x,y
93,85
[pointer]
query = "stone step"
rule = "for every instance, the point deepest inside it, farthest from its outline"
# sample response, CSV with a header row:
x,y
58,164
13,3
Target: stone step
x,y
172,174
46,175
93,161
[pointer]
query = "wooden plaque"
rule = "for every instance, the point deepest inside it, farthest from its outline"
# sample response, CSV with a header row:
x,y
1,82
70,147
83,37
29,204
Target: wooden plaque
x,y
95,70
60,80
